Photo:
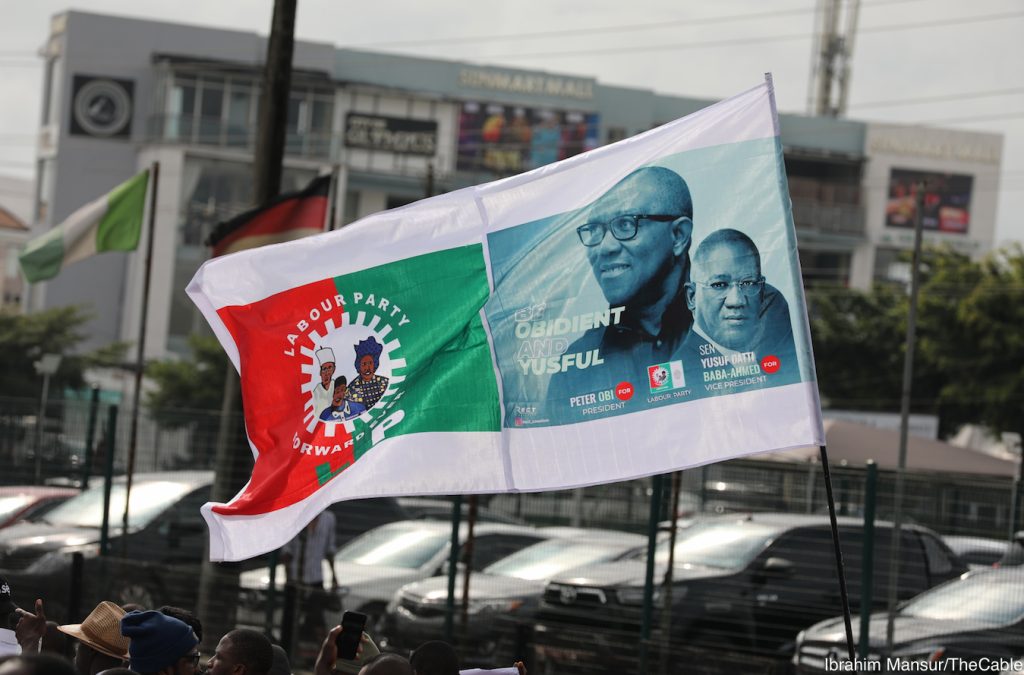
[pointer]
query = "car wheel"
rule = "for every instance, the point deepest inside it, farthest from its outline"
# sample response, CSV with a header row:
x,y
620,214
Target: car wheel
x,y
135,593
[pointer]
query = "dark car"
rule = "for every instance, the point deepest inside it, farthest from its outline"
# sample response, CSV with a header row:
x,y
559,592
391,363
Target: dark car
x,y
503,598
953,628
24,502
739,584
157,562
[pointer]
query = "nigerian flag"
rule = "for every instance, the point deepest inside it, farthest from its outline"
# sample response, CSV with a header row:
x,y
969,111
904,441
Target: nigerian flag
x,y
111,223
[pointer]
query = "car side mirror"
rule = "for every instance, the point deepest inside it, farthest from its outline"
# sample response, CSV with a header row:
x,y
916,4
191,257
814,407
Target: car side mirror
x,y
777,567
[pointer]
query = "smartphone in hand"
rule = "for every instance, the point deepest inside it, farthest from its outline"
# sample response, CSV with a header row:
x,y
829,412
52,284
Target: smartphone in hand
x,y
352,625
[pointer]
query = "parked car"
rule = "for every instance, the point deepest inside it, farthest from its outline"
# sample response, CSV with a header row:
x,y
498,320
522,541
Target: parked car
x,y
23,502
977,552
164,527
980,616
503,597
441,509
375,565
165,541
747,584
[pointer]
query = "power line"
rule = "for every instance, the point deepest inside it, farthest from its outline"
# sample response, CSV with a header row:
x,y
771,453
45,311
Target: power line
x,y
697,21
754,40
938,98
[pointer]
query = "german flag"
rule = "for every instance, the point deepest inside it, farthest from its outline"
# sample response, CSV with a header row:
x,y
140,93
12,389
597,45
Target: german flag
x,y
289,216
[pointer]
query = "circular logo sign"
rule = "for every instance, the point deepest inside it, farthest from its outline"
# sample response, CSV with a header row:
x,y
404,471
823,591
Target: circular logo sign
x,y
102,108
352,369
770,363
624,391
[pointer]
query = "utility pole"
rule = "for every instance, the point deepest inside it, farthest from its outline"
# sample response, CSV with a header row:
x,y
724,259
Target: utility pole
x,y
832,54
233,461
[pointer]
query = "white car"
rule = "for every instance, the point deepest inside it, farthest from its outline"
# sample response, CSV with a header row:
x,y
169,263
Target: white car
x,y
371,567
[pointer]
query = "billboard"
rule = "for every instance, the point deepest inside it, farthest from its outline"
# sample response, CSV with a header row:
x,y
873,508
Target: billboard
x,y
504,139
946,202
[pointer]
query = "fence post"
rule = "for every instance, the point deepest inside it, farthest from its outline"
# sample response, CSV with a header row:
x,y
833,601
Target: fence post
x,y
90,436
108,479
75,587
867,570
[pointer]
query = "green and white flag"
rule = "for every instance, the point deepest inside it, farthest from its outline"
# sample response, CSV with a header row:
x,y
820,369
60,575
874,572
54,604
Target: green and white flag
x,y
111,223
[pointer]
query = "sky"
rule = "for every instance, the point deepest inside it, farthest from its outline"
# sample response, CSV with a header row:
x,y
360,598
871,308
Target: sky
x,y
940,62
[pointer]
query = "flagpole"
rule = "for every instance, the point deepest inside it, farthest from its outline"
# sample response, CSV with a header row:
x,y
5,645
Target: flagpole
x,y
333,205
140,360
840,569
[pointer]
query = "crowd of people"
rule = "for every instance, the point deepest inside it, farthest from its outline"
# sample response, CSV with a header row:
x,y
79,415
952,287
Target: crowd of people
x,y
132,640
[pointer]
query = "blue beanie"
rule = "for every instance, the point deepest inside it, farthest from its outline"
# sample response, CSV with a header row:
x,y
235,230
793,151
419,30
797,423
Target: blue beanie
x,y
157,640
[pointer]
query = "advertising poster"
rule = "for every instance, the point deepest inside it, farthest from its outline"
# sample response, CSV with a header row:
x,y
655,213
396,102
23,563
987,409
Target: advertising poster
x,y
506,139
946,201
633,310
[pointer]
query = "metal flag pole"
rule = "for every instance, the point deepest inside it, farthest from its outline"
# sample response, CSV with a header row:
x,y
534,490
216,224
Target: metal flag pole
x,y
154,177
908,380
332,204
840,568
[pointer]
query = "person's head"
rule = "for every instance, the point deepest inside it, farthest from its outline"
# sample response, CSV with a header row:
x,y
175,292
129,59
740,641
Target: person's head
x,y
387,664
100,645
435,658
637,236
186,617
44,663
368,353
242,652
160,644
325,357
340,388
727,289
281,666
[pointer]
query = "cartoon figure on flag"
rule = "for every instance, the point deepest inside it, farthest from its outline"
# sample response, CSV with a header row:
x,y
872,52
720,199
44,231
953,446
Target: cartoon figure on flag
x,y
368,386
322,389
341,409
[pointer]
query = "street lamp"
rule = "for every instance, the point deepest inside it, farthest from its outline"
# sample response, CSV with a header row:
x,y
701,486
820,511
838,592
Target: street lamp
x,y
46,366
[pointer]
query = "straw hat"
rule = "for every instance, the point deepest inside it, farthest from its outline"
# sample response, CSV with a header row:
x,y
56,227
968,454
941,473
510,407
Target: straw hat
x,y
101,630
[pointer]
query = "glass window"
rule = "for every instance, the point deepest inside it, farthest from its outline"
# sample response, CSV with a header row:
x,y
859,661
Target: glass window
x,y
180,111
210,108
405,546
990,598
491,548
937,557
11,504
148,500
548,558
239,116
727,545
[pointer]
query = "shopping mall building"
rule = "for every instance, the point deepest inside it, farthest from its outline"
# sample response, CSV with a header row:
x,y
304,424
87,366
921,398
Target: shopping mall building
x,y
122,93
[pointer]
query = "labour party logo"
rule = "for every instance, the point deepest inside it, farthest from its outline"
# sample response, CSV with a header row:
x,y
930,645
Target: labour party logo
x,y
665,376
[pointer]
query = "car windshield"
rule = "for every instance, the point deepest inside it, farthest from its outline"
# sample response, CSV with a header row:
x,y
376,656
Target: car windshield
x,y
987,598
149,499
728,544
548,558
11,504
407,546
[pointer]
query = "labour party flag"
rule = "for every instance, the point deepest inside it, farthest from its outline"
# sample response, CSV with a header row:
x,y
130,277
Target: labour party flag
x,y
111,223
630,311
289,216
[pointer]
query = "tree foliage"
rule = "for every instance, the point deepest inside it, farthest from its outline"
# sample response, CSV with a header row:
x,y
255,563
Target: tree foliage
x,y
26,337
969,355
187,386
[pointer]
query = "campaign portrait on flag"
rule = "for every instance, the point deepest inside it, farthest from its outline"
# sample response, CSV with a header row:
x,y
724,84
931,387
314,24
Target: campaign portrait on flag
x,y
671,286
633,310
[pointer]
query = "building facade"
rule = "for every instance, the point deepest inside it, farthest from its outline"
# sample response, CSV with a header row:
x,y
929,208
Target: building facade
x,y
401,128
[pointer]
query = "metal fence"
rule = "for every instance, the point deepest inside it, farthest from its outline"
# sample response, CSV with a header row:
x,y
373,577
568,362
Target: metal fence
x,y
704,619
